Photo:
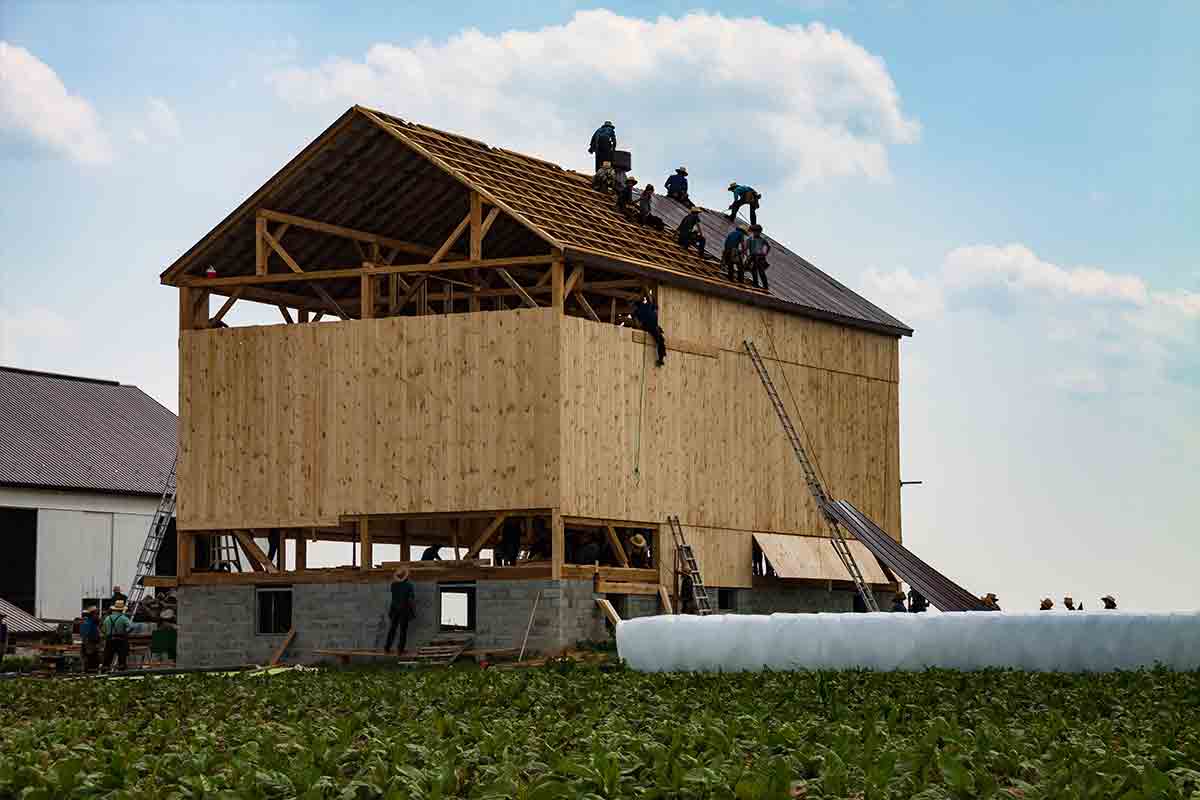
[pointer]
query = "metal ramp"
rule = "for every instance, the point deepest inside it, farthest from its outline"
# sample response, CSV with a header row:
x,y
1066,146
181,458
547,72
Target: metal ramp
x,y
943,593
154,537
814,483
684,554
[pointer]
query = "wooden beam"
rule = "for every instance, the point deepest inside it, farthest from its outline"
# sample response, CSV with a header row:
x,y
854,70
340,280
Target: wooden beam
x,y
253,552
626,587
491,528
291,634
608,610
441,252
476,216
193,308
364,543
340,273
287,315
556,283
228,304
185,554
576,277
278,248
487,224
615,543
557,545
328,298
301,550
586,306
665,599
511,281
412,290
260,247
366,297
347,233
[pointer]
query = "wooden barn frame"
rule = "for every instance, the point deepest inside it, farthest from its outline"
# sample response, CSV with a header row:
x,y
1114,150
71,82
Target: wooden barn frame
x,y
470,369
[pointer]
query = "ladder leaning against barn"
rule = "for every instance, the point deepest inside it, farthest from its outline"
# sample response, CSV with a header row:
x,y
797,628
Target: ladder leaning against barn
x,y
814,483
158,529
683,552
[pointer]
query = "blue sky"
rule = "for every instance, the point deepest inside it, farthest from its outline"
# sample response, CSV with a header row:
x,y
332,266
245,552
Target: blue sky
x,y
1019,184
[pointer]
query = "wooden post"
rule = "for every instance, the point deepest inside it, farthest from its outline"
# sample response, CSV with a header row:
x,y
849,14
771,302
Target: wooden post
x,y
367,291
281,553
193,308
473,297
185,554
557,282
454,524
364,546
260,246
476,251
302,550
558,543
302,315
405,550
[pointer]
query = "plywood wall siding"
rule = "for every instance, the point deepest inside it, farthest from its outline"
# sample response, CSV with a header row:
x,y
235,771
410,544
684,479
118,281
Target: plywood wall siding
x,y
299,424
699,437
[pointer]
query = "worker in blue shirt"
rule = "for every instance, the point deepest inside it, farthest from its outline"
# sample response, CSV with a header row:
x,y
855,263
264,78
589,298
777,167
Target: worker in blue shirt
x,y
731,255
744,195
757,250
89,640
677,187
604,143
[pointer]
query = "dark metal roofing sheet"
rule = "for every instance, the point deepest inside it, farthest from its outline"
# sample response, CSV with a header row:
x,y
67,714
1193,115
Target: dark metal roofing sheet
x,y
19,621
943,593
61,432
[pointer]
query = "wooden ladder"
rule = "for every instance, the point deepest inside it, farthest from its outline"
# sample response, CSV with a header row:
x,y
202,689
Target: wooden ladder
x,y
684,554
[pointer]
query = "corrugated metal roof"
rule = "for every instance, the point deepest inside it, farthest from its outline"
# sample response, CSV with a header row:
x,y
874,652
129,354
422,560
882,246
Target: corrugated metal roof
x,y
20,622
63,432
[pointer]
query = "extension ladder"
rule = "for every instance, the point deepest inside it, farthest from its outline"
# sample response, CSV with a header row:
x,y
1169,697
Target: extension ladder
x,y
814,483
683,552
158,529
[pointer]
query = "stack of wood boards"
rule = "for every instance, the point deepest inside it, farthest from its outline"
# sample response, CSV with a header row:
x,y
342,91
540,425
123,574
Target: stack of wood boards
x,y
442,651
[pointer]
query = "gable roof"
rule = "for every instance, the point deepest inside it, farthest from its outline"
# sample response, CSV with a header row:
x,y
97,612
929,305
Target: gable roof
x,y
378,173
64,432
21,622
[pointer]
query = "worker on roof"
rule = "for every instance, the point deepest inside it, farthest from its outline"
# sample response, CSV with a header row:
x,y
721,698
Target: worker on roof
x,y
1069,603
731,253
605,179
898,603
1046,605
604,143
917,604
116,636
645,209
744,195
89,640
625,196
689,231
401,610
1110,602
757,250
645,313
991,601
677,187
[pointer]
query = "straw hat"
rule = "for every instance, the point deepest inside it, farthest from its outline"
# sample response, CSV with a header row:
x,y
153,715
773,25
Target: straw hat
x,y
732,185
1109,598
637,540
631,179
681,170
606,163
1047,604
696,209
400,574
118,606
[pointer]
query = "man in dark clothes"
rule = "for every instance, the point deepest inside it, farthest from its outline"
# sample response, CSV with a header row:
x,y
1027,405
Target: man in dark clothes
x,y
510,543
677,187
689,232
540,548
89,640
272,544
1110,602
401,610
898,603
3,638
118,595
917,604
645,312
639,552
731,254
744,196
687,598
625,197
432,553
646,214
588,551
604,143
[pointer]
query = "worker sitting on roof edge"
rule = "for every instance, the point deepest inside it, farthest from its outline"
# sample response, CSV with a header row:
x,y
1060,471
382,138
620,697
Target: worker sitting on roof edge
x,y
689,232
757,250
604,143
744,195
1110,602
1046,605
731,254
645,206
1069,604
645,312
677,187
625,197
605,179
991,601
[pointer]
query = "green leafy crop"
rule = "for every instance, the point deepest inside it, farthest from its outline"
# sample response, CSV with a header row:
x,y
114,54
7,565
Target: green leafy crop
x,y
586,733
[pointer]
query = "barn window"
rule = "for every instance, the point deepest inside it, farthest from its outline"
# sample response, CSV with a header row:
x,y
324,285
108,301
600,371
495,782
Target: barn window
x,y
274,610
457,606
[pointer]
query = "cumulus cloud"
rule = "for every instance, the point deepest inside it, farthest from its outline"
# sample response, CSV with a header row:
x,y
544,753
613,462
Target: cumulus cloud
x,y
899,291
808,101
35,103
1017,268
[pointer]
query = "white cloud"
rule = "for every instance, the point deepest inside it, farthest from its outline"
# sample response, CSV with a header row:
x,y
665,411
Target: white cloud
x,y
34,102
162,119
29,334
900,292
805,102
1017,268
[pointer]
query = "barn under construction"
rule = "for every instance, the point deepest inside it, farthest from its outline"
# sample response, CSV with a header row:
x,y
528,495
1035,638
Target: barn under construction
x,y
450,365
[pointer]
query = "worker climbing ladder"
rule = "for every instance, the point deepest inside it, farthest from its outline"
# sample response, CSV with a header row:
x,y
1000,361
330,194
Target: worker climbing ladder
x,y
158,529
836,538
685,556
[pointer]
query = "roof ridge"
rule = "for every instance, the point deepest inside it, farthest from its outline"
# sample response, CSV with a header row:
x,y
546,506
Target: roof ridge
x,y
60,376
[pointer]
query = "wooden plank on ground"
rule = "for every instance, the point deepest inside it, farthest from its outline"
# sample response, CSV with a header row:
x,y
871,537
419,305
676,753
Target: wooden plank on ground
x,y
291,634
608,610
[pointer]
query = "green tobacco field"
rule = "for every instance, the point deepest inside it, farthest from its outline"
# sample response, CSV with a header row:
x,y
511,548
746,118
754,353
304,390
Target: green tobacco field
x,y
580,732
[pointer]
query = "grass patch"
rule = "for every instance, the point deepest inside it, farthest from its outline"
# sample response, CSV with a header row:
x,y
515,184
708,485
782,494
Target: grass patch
x,y
567,731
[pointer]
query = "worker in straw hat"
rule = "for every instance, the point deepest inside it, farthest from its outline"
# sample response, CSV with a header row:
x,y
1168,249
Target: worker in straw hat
x,y
639,551
116,636
401,610
991,601
1069,604
1046,605
625,197
677,186
1110,602
898,603
744,196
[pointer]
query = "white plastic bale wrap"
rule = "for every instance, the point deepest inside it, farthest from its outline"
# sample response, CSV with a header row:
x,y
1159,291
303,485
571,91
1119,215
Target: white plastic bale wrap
x,y
1063,641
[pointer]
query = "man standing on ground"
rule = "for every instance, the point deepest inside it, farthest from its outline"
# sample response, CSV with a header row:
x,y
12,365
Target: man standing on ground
x,y
118,595
3,638
116,637
89,636
401,610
